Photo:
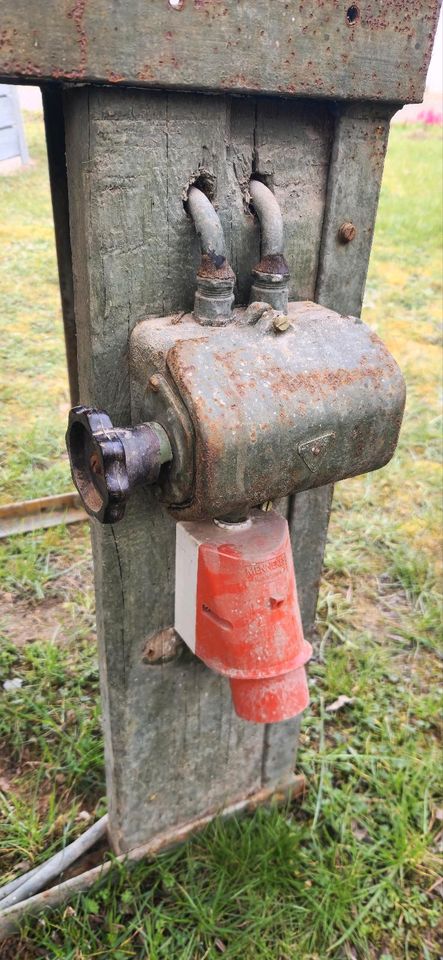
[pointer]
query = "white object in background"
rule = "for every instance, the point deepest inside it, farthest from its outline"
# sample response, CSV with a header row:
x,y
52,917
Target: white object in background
x,y
12,134
434,79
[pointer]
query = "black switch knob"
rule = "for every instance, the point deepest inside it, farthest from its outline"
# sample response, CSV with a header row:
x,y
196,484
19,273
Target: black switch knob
x,y
107,462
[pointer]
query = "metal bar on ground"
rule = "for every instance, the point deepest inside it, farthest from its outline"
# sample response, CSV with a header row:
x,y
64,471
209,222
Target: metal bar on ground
x,y
26,515
12,916
57,864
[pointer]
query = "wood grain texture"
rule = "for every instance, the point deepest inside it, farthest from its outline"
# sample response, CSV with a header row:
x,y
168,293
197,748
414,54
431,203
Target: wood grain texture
x,y
376,50
174,747
360,142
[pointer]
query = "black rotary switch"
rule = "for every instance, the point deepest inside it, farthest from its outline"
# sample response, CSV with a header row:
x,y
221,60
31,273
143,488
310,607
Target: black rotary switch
x,y
107,462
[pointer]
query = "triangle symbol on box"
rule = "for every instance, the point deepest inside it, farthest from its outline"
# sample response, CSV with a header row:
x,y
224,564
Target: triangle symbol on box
x,y
314,451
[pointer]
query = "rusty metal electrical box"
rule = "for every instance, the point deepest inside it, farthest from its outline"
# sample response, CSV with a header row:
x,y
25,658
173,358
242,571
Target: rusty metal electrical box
x,y
252,403
264,413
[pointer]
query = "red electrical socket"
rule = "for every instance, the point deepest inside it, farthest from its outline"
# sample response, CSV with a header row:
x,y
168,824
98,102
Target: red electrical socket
x,y
237,609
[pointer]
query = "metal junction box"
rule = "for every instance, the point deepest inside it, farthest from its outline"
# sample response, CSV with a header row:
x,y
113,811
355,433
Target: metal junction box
x,y
256,413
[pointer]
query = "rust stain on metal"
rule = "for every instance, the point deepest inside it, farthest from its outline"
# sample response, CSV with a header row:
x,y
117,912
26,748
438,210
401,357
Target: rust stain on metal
x,y
216,267
239,82
320,382
21,69
299,65
7,38
115,77
229,361
77,14
146,73
216,6
273,263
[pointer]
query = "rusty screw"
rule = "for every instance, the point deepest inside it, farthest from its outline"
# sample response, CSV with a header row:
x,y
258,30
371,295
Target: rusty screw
x,y
154,383
347,232
280,323
162,647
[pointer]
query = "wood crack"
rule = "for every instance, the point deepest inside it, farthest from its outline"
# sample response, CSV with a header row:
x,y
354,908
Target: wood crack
x,y
122,588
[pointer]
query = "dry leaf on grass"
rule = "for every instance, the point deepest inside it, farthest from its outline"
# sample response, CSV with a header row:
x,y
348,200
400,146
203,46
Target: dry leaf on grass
x,y
340,702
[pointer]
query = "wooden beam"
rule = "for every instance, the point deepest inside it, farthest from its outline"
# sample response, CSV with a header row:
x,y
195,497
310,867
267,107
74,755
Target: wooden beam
x,y
358,155
359,137
344,50
173,743
11,918
174,746
40,514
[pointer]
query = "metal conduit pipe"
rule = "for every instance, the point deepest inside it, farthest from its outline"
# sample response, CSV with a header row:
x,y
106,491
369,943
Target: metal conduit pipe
x,y
38,878
271,275
269,214
214,295
207,224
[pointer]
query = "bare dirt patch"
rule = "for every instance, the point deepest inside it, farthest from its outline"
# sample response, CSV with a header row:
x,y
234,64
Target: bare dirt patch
x,y
24,622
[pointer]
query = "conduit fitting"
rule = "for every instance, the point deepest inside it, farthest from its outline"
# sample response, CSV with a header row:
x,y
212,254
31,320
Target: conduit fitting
x,y
214,296
270,276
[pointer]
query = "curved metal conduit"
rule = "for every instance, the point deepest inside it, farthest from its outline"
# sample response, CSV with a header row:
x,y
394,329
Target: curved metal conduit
x,y
214,296
207,225
271,275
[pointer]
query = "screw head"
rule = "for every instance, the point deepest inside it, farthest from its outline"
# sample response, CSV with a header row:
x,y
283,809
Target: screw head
x,y
347,232
162,647
280,323
154,382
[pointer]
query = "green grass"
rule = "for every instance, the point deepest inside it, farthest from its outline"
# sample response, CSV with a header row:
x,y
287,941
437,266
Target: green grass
x,y
352,871
34,396
51,725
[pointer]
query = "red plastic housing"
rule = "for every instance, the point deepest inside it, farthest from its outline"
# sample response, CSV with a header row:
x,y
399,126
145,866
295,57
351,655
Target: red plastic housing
x,y
247,618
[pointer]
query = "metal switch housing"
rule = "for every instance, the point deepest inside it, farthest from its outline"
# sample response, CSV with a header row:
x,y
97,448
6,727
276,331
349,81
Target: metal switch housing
x,y
264,406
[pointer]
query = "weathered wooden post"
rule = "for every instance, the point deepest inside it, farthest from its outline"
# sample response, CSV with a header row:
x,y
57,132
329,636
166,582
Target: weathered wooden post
x,y
142,101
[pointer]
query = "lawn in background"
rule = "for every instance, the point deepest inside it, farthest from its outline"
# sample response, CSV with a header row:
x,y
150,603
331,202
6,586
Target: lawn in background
x,y
353,871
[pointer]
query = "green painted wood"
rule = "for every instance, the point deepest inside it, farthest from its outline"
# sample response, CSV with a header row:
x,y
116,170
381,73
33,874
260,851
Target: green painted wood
x,y
373,50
